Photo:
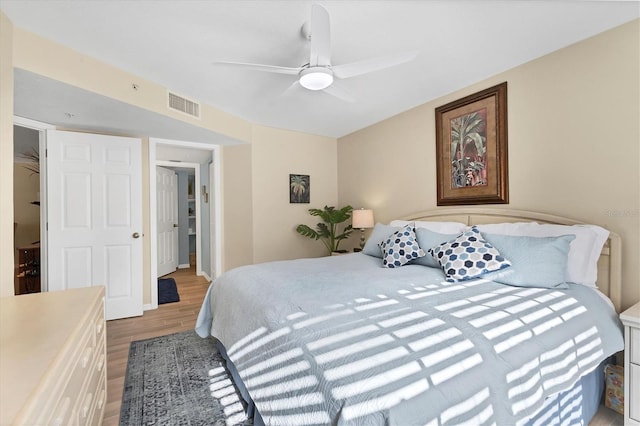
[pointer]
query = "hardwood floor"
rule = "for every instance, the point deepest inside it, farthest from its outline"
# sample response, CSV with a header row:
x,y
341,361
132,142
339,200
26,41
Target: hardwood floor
x,y
607,417
167,319
181,316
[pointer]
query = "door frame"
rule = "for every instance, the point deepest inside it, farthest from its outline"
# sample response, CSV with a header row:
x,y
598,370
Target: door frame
x,y
42,148
196,168
215,215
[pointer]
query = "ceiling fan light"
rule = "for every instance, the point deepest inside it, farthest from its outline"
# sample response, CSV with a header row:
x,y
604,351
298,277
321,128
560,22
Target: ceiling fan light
x,y
316,78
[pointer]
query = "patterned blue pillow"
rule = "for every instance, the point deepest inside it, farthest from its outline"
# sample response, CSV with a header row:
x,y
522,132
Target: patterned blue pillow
x,y
401,248
468,256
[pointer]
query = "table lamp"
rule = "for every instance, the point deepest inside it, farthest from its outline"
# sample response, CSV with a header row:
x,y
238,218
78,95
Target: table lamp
x,y
362,219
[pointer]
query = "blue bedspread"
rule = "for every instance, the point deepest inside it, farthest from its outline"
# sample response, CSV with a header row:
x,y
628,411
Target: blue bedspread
x,y
341,340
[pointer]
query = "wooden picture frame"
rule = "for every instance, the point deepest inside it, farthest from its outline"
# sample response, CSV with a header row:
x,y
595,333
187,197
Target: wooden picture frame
x,y
471,149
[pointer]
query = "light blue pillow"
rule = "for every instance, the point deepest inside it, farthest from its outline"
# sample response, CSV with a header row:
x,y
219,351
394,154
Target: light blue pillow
x,y
426,240
401,248
379,234
535,261
467,257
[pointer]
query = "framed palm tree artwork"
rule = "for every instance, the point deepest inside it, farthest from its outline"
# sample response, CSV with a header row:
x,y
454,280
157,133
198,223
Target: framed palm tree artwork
x,y
471,149
299,189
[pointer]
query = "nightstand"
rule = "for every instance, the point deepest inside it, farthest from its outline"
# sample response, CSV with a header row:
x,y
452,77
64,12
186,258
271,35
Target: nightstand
x,y
631,320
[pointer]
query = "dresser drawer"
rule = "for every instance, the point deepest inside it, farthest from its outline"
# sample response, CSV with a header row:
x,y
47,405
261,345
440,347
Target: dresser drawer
x,y
95,401
91,392
99,326
634,392
631,321
71,394
634,345
62,414
63,341
100,402
63,395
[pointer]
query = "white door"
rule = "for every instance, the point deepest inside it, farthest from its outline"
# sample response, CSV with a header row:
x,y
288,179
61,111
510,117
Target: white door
x,y
94,217
167,211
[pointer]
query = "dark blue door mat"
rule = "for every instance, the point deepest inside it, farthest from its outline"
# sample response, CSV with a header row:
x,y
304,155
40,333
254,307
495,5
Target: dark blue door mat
x,y
167,291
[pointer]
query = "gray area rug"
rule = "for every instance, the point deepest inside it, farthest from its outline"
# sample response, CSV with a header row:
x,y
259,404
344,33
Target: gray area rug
x,y
179,379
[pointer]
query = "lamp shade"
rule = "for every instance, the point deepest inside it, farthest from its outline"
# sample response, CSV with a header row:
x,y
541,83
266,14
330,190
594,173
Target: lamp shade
x,y
362,218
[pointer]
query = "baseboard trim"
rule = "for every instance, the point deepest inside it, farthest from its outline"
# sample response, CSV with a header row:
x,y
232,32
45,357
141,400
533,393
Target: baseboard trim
x,y
207,277
184,266
147,307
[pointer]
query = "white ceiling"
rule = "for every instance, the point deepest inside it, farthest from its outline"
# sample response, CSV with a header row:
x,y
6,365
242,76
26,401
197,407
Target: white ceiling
x,y
53,102
174,43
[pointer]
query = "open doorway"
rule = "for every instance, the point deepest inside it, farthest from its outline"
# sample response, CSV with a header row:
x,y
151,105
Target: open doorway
x,y
197,239
29,201
26,210
179,218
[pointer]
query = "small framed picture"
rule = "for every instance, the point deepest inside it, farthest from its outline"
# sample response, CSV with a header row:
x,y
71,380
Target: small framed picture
x,y
299,189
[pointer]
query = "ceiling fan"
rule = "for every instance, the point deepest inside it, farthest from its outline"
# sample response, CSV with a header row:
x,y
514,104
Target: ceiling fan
x,y
319,73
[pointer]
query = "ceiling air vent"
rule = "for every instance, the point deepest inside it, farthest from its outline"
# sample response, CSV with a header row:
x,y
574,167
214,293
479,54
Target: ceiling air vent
x,y
184,105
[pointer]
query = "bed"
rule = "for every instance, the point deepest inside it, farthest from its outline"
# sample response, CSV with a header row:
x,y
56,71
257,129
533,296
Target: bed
x,y
344,340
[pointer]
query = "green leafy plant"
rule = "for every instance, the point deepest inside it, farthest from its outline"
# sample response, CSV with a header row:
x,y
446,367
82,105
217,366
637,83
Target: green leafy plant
x,y
327,230
33,161
468,146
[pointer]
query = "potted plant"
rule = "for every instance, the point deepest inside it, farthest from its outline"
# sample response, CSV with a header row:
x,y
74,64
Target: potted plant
x,y
327,230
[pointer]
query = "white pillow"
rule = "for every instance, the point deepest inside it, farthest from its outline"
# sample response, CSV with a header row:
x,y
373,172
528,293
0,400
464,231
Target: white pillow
x,y
441,227
584,251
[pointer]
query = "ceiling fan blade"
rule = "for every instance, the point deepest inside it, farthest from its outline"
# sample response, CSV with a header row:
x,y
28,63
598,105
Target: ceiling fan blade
x,y
291,89
260,67
320,37
370,65
339,92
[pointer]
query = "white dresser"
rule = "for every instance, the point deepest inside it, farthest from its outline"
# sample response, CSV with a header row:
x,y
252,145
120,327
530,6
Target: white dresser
x,y
53,358
631,320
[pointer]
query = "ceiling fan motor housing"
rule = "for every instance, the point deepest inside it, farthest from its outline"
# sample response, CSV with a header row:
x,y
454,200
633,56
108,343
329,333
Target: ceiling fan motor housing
x,y
316,78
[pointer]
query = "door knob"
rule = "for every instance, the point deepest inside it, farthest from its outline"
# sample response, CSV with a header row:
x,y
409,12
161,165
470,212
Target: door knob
x,y
136,235
175,225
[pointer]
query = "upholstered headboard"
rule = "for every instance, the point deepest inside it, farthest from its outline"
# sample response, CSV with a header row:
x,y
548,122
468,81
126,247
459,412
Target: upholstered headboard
x,y
609,263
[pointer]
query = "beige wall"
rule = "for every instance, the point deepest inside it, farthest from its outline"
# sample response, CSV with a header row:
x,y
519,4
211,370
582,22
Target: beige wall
x,y
237,206
277,153
6,156
255,175
28,51
574,144
259,222
41,56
